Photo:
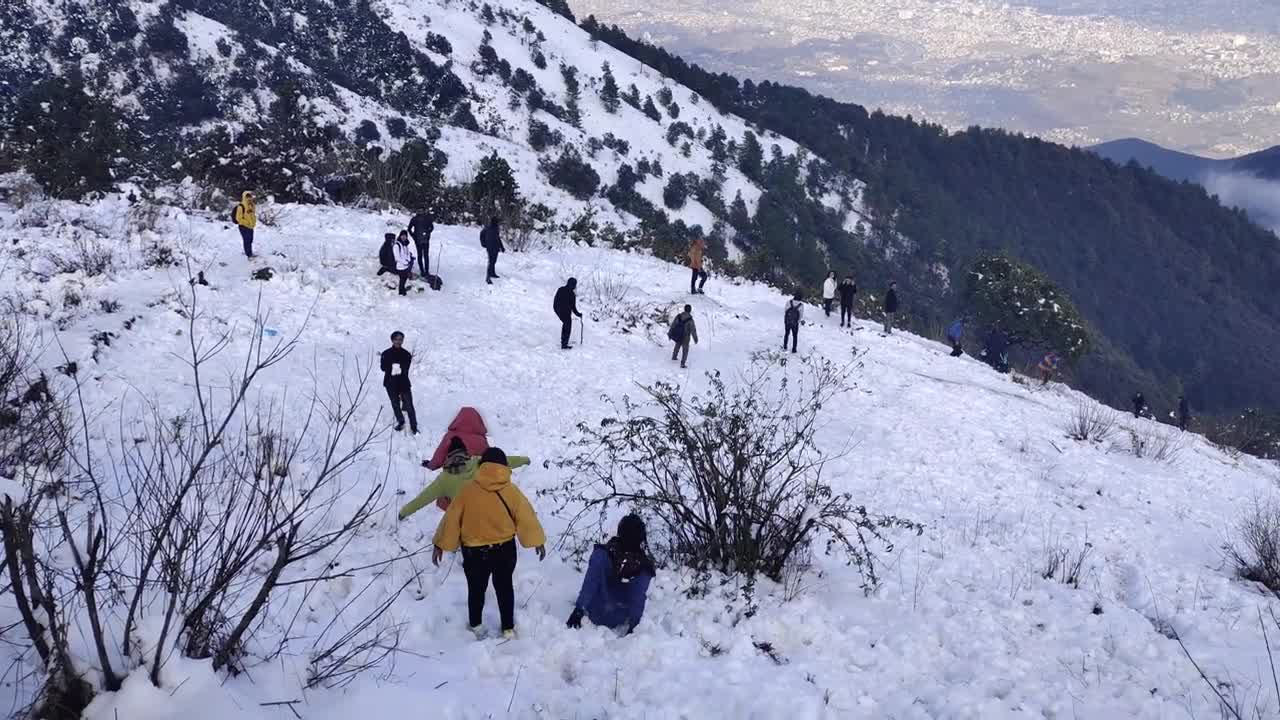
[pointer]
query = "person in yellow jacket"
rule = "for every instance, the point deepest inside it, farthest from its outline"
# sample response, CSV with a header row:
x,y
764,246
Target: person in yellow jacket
x,y
246,217
484,521
459,468
697,249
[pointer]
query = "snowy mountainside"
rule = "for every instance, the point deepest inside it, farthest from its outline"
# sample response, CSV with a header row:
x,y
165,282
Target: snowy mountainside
x,y
964,624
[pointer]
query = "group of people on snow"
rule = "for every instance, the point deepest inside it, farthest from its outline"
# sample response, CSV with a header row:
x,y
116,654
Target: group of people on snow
x,y
408,250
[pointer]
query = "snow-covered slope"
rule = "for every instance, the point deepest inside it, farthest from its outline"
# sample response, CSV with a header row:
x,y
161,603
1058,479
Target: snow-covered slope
x,y
963,626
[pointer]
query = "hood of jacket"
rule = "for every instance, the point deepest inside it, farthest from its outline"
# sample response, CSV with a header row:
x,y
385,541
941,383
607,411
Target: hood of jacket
x,y
246,197
492,477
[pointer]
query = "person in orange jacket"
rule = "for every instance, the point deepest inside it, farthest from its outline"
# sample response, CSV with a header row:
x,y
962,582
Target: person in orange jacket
x,y
246,217
484,521
697,249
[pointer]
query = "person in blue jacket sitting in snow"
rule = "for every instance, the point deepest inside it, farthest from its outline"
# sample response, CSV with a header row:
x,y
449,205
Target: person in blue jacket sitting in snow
x,y
617,580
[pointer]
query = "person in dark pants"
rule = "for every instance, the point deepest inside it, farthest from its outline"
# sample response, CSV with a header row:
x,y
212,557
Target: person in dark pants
x,y
491,241
387,254
486,518
404,259
848,288
420,227
1139,404
246,217
566,306
955,332
791,322
698,278
395,378
1184,413
830,288
890,307
682,329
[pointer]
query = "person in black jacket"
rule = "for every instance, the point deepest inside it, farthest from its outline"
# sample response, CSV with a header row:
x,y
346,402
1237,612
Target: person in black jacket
x,y
890,307
566,306
848,288
1139,404
386,254
395,378
1184,412
491,241
420,227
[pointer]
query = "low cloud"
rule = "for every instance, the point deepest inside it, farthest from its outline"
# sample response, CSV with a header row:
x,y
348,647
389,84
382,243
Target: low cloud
x,y
1261,198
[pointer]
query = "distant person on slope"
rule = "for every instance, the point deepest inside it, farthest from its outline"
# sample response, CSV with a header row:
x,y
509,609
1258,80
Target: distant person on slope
x,y
681,331
1184,413
890,307
387,254
1139,404
420,227
459,469
491,241
616,583
565,305
954,334
246,218
395,378
791,318
1048,367
404,259
829,287
484,521
848,288
698,279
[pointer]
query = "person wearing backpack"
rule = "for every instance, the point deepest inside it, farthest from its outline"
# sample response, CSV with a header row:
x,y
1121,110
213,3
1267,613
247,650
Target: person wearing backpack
x,y
491,241
848,288
459,469
387,254
404,258
697,249
245,216
395,362
890,307
565,305
420,227
485,520
616,584
829,287
954,333
791,322
682,329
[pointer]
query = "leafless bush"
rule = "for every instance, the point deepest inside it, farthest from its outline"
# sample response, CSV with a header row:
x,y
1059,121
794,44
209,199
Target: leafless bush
x,y
734,479
145,215
89,253
37,213
1157,442
607,293
272,214
1065,564
1091,422
24,191
1256,552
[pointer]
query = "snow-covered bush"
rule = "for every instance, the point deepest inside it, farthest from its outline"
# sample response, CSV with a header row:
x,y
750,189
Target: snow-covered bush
x,y
1256,551
1091,421
1066,564
731,481
1157,442
86,252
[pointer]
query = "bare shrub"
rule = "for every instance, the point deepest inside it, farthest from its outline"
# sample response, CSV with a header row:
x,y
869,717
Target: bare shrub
x,y
1091,422
145,215
1156,442
607,293
272,214
733,479
1256,551
37,213
158,254
89,253
24,191
1065,564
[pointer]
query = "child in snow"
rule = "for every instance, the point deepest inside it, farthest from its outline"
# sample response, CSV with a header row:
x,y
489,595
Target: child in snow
x,y
681,331
791,322
847,290
459,469
484,521
829,287
405,257
617,581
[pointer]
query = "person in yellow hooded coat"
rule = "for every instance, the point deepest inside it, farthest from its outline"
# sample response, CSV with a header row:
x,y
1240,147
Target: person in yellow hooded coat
x,y
484,521
246,217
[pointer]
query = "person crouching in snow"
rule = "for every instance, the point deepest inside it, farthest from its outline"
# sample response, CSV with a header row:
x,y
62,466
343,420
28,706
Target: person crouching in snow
x,y
404,259
484,521
459,469
617,581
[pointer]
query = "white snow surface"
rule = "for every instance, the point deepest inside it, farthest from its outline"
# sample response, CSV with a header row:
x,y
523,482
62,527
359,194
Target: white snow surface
x,y
962,626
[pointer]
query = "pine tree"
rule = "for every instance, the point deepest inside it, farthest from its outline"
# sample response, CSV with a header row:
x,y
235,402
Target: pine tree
x,y
67,138
1019,300
494,188
573,95
739,217
609,91
751,157
651,110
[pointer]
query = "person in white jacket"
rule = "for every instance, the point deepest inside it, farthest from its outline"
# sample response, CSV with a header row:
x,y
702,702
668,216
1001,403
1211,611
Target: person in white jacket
x,y
829,292
405,258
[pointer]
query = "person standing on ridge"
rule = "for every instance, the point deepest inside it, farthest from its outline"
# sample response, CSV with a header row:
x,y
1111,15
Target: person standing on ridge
x,y
697,249
954,334
829,287
848,288
1048,367
246,218
404,259
484,521
791,322
420,227
890,307
1184,413
616,584
395,378
681,331
1139,404
566,306
491,241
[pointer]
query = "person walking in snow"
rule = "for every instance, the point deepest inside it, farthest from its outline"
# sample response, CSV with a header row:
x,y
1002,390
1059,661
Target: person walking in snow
x,y
420,227
1139,404
697,249
791,318
890,307
395,378
459,469
387,254
246,218
566,306
484,520
616,584
829,287
404,258
491,241
1048,367
954,333
682,329
1184,413
848,289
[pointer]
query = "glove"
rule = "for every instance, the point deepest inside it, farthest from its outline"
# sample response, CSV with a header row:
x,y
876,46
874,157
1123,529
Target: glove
x,y
542,552
575,619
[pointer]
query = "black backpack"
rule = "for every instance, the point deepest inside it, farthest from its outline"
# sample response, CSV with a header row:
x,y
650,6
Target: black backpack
x,y
792,316
234,208
676,332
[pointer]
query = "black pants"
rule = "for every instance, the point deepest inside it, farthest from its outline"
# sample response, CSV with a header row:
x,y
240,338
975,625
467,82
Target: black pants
x,y
491,272
401,403
698,275
681,350
246,238
846,313
499,563
956,350
792,332
826,305
404,276
424,256
566,329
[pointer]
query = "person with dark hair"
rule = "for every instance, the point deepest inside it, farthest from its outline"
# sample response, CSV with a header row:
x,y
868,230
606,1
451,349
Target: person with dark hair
x,y
491,241
565,305
697,250
890,307
421,226
1184,413
681,331
387,254
1139,404
395,378
459,469
404,260
829,289
848,288
791,317
954,334
484,521
616,583
1048,367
